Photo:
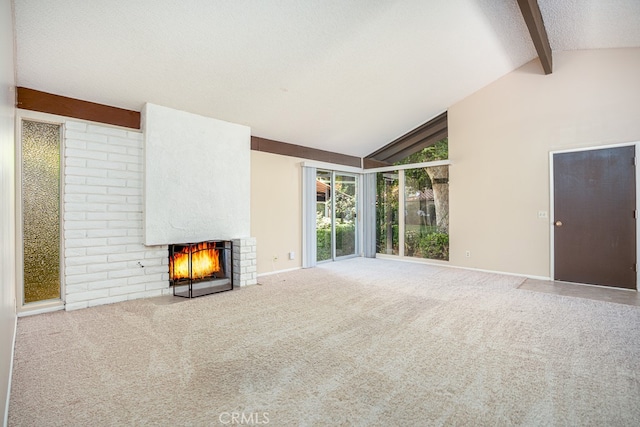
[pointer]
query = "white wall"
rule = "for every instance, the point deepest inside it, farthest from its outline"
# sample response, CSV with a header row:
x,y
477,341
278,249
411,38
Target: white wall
x,y
197,177
7,207
276,210
499,143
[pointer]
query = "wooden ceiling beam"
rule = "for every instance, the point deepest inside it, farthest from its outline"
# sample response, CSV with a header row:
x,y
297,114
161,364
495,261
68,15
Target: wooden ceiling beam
x,y
293,150
35,100
533,18
372,163
419,145
412,141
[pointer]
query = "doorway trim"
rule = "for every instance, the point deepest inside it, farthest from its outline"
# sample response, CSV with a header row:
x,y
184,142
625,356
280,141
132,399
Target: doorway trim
x,y
53,304
636,144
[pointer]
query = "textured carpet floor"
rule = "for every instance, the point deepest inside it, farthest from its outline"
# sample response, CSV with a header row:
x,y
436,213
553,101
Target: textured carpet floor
x,y
358,342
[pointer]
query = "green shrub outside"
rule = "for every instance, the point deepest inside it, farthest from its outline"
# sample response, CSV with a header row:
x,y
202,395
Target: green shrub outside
x,y
345,240
381,240
431,245
435,246
426,243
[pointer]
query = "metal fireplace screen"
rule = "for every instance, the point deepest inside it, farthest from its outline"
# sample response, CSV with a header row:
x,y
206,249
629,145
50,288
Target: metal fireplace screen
x,y
197,269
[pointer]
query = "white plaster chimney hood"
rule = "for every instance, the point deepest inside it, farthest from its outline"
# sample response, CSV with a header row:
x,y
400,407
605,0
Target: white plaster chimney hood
x,y
196,177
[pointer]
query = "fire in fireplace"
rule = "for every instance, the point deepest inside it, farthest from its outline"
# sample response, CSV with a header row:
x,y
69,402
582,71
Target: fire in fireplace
x,y
197,269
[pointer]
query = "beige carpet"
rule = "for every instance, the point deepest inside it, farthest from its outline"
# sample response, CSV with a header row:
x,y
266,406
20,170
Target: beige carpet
x,y
358,342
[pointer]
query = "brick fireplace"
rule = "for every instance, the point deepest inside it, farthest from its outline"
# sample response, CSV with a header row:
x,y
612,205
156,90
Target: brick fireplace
x,y
203,268
106,258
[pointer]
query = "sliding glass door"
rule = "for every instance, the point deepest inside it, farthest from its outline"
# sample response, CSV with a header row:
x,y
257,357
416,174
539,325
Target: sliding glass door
x,y
346,210
336,215
324,223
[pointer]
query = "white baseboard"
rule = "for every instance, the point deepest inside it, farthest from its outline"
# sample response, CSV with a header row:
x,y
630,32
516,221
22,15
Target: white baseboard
x,y
279,271
43,309
447,264
527,276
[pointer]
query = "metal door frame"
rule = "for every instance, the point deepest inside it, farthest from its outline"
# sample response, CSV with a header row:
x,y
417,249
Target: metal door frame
x,y
358,232
552,204
357,250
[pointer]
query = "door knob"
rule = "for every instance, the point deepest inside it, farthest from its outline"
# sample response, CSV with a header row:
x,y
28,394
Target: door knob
x,y
558,223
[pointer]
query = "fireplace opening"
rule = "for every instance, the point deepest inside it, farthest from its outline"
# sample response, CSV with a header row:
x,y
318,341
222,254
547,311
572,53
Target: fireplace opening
x,y
203,268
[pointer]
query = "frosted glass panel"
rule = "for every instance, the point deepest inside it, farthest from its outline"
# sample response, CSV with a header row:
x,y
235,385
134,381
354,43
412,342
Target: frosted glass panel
x,y
41,210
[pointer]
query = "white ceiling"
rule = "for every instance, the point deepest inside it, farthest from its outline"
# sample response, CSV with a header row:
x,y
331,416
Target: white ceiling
x,y
340,75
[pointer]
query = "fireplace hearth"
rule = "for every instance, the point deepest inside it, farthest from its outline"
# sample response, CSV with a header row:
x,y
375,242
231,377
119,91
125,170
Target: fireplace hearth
x,y
197,269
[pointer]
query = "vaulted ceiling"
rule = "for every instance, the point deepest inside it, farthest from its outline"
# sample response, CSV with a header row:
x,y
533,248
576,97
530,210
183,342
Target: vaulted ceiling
x,y
341,75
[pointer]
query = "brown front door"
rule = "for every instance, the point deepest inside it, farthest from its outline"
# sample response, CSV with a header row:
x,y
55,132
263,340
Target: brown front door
x,y
594,206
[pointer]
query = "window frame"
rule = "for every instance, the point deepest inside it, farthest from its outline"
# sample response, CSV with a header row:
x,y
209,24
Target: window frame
x,y
401,203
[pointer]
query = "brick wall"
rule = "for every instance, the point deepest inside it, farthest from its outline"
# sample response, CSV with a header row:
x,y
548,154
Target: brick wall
x,y
105,259
245,263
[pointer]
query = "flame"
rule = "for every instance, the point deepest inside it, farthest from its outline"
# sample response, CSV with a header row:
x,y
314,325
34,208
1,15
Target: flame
x,y
205,260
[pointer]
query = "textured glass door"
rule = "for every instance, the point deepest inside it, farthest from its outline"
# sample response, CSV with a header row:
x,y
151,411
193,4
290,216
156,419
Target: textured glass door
x,y
40,207
346,208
